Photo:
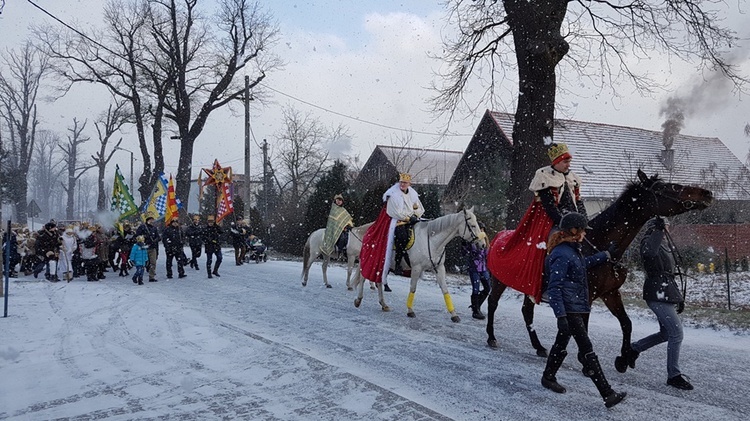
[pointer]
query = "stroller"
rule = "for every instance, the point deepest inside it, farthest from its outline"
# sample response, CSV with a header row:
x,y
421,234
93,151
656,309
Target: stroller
x,y
256,251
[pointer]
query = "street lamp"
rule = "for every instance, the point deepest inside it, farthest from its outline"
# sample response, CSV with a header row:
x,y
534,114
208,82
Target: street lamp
x,y
132,186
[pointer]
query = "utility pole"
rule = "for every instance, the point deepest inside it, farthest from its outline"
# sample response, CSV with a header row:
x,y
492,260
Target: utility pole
x,y
246,196
265,180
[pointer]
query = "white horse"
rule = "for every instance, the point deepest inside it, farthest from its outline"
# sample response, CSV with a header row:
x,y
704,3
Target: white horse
x,y
428,253
353,247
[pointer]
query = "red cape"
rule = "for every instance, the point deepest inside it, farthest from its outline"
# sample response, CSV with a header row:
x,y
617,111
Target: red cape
x,y
374,246
516,257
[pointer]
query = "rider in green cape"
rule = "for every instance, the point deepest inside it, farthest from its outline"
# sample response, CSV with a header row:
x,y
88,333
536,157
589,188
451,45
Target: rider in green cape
x,y
338,220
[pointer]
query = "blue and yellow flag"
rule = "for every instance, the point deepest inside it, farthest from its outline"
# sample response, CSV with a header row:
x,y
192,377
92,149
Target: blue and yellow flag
x,y
156,205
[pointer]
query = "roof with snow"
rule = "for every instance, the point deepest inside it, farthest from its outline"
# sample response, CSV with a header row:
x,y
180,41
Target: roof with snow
x,y
426,166
607,156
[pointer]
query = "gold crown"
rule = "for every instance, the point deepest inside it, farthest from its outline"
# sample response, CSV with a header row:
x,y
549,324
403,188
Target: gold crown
x,y
557,150
404,177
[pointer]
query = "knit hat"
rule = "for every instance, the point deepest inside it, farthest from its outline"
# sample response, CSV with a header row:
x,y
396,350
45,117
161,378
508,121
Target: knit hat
x,y
338,196
558,152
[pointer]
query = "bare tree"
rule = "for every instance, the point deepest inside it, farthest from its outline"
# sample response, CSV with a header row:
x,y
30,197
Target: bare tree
x,y
46,169
534,37
83,57
74,168
203,56
108,123
19,85
301,154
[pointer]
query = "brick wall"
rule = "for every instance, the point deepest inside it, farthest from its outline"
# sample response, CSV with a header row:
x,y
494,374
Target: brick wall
x,y
734,237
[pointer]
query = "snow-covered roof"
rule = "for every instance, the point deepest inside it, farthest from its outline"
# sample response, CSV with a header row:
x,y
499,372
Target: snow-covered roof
x,y
426,166
607,156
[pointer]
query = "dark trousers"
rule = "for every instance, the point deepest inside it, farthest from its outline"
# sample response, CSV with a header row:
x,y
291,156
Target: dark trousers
x,y
401,237
580,334
180,268
209,258
195,253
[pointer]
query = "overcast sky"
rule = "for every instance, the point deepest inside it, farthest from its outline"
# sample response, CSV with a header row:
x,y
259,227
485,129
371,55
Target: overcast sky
x,y
367,61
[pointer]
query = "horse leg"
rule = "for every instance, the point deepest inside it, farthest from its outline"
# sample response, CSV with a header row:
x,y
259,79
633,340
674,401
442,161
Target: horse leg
x,y
446,295
613,301
326,259
383,305
412,290
496,291
527,309
359,284
349,268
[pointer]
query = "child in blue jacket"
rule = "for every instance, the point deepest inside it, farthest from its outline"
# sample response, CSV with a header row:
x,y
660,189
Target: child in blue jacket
x,y
139,257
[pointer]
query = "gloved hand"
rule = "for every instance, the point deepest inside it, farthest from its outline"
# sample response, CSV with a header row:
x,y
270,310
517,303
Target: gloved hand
x,y
50,253
612,250
659,223
680,307
562,325
413,219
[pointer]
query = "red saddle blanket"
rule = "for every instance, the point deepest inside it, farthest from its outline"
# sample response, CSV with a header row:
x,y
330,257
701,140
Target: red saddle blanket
x,y
516,257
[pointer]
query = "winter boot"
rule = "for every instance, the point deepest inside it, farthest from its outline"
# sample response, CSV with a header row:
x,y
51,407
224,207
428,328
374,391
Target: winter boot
x,y
140,280
594,371
627,359
208,270
554,361
135,279
216,269
476,312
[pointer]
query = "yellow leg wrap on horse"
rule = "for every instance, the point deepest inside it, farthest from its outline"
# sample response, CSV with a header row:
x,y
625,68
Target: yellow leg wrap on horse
x,y
410,300
448,303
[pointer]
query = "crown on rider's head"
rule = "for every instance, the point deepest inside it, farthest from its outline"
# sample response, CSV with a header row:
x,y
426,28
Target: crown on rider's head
x,y
558,152
404,177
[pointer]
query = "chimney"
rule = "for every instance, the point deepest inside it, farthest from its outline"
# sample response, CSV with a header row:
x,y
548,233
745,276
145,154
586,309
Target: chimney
x,y
667,159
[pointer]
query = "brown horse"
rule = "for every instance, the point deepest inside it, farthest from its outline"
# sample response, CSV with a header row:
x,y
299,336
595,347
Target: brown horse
x,y
619,223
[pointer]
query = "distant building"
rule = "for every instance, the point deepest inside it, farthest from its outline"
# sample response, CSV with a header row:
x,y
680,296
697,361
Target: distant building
x,y
607,158
431,167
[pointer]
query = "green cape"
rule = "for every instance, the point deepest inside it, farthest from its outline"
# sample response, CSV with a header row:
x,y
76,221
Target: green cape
x,y
338,219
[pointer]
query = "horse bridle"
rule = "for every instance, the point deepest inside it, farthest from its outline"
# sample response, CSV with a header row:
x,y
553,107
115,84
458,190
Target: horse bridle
x,y
474,237
661,192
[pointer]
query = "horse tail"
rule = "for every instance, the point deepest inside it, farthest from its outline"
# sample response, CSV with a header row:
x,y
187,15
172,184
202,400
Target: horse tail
x,y
305,257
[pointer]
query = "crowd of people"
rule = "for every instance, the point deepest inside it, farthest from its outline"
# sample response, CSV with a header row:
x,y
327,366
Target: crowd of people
x,y
65,252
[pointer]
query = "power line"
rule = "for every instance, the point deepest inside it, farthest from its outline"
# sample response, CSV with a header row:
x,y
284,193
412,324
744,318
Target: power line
x,y
360,119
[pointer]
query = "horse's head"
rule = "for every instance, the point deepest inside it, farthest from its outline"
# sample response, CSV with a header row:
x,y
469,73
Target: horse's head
x,y
470,230
671,199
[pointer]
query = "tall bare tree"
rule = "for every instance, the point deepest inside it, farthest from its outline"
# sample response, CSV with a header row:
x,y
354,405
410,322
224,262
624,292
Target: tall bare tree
x,y
20,80
112,56
206,55
534,37
74,168
108,123
46,170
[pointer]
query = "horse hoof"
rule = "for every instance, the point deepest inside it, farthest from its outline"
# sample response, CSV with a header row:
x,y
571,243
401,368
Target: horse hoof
x,y
386,308
411,314
455,319
357,302
492,343
349,289
541,353
304,284
372,287
328,286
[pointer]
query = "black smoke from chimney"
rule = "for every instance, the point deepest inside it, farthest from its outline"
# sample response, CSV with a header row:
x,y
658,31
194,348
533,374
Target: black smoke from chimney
x,y
674,111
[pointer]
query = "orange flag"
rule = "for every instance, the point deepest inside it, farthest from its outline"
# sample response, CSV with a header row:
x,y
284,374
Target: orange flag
x,y
172,208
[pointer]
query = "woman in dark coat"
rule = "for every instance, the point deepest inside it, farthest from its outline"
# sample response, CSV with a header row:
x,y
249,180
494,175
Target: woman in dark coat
x,y
569,298
663,297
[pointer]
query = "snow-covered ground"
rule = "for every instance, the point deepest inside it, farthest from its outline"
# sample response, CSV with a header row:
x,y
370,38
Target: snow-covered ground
x,y
256,345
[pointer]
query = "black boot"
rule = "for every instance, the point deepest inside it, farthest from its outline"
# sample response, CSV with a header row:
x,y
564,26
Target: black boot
x,y
208,270
594,371
554,361
216,269
476,312
627,359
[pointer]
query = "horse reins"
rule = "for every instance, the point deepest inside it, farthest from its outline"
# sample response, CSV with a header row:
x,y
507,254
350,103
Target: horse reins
x,y
442,255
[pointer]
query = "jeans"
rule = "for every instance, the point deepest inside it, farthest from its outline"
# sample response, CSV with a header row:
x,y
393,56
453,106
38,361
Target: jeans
x,y
139,273
670,331
476,277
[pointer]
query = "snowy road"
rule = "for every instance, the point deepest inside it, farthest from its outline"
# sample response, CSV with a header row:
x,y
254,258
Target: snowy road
x,y
255,344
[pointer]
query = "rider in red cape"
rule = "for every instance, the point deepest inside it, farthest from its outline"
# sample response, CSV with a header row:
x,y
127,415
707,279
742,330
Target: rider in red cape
x,y
516,257
392,228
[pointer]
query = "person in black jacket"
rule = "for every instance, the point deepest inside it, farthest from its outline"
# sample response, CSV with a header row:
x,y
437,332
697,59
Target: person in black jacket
x,y
212,237
238,234
47,245
663,297
194,234
151,235
173,246
569,298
